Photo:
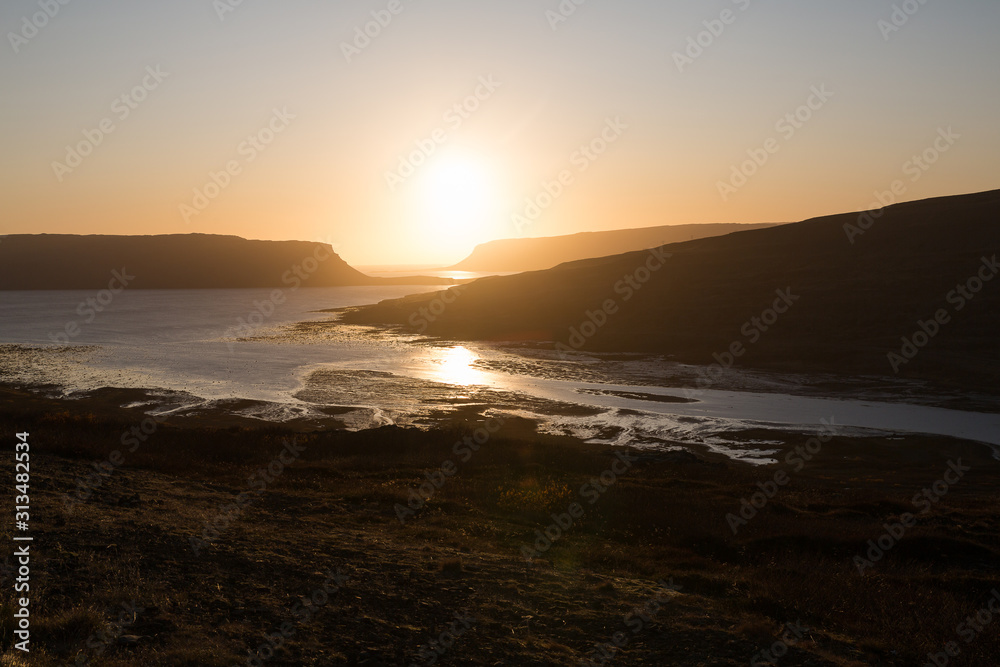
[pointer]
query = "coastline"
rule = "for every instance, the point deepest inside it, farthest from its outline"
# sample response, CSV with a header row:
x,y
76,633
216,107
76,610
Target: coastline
x,y
198,499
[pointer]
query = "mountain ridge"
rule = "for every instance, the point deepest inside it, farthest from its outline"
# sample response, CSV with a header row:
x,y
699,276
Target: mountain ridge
x,y
176,261
859,297
537,253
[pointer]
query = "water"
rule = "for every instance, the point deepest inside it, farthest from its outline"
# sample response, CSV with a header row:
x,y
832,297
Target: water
x,y
218,345
144,317
402,271
208,342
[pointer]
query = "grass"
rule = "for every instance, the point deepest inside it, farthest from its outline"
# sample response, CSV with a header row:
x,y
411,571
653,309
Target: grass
x,y
335,508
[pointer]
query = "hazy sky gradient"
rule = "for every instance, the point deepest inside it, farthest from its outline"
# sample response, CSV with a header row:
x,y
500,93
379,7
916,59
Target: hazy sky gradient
x,y
323,177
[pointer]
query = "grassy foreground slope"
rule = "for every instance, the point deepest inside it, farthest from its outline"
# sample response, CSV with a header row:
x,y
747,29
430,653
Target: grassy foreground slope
x,y
156,567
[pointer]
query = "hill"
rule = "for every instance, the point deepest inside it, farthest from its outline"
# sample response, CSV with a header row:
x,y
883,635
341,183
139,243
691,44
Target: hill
x,y
176,261
683,586
534,254
850,297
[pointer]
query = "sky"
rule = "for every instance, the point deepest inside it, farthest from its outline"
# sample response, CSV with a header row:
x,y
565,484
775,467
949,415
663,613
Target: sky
x,y
408,131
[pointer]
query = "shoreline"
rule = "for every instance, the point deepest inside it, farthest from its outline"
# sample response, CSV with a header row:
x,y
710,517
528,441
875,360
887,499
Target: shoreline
x,y
634,412
420,526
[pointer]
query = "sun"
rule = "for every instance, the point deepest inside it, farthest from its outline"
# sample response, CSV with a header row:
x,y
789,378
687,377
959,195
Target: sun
x,y
458,196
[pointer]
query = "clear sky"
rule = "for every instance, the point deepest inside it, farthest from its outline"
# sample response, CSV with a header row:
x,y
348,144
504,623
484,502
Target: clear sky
x,y
116,115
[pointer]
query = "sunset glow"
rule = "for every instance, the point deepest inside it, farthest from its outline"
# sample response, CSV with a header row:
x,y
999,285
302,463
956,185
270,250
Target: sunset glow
x,y
459,200
282,121
527,332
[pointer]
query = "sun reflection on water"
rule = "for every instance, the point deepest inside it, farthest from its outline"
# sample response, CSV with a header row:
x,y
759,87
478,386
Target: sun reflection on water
x,y
455,365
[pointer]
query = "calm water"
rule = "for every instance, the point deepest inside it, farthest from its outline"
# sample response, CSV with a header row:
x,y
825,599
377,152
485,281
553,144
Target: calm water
x,y
212,343
224,344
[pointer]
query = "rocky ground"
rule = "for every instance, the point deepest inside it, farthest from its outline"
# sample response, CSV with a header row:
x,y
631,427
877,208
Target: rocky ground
x,y
192,544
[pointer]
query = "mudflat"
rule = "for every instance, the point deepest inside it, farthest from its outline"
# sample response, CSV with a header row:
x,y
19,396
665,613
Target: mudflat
x,y
163,541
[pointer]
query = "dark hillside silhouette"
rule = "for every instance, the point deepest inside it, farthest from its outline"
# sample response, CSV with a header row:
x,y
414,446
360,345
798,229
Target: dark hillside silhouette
x,y
534,254
853,301
175,261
